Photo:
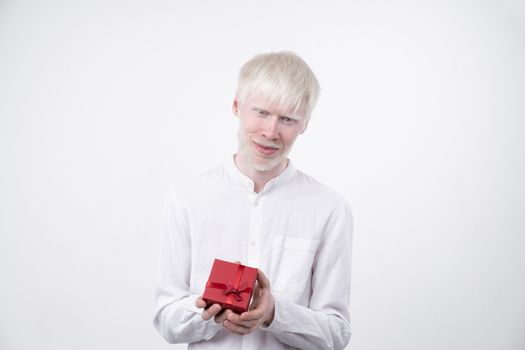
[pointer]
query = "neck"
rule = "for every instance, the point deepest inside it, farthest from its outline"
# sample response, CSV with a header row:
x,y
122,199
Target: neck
x,y
259,178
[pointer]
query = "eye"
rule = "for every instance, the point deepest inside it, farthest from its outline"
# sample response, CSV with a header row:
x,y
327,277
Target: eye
x,y
261,112
287,120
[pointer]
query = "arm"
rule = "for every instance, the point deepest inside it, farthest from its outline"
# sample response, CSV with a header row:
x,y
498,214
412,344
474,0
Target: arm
x,y
177,318
325,323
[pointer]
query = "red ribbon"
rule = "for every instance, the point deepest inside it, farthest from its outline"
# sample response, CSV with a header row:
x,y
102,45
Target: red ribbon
x,y
243,288
232,290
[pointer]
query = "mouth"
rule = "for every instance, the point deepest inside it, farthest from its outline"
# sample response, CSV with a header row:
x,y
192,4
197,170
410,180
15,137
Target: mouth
x,y
266,150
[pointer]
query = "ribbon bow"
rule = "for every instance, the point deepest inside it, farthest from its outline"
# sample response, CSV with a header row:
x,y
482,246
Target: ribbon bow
x,y
243,288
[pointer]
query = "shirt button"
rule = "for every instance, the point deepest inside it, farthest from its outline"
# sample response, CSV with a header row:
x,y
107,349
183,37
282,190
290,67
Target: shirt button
x,y
253,243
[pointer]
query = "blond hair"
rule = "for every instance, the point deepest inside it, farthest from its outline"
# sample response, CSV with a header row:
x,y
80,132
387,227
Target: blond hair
x,y
283,78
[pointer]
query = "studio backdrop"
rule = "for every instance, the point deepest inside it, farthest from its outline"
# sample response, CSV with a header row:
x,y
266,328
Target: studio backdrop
x,y
104,105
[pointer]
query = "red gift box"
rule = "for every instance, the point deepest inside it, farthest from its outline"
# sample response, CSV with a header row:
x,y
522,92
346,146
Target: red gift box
x,y
230,285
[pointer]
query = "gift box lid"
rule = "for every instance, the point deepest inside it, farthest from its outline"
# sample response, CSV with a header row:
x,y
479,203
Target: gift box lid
x,y
231,285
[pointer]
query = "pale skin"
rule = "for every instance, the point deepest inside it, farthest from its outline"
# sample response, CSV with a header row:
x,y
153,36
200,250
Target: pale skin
x,y
266,135
263,123
261,310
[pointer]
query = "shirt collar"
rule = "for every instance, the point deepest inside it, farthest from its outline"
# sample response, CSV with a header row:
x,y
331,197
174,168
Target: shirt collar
x,y
284,176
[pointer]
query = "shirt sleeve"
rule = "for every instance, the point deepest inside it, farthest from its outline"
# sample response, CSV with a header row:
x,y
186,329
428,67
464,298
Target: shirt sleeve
x,y
177,318
325,323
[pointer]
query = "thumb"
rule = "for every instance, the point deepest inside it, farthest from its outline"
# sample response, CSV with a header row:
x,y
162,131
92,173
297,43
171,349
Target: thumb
x,y
262,280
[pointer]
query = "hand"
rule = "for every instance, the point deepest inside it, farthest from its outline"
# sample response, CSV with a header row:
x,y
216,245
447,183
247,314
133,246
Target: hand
x,y
261,310
214,310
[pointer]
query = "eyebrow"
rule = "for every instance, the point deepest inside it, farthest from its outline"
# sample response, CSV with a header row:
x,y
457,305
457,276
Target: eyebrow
x,y
290,116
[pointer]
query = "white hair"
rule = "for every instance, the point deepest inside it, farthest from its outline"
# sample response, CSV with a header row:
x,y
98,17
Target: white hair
x,y
283,78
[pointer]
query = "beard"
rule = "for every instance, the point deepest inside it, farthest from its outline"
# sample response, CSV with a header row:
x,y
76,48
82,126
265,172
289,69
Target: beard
x,y
259,162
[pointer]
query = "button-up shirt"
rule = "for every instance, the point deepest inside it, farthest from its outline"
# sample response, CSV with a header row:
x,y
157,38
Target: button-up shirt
x,y
296,230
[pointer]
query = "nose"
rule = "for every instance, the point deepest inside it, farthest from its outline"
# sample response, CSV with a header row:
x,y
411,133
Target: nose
x,y
271,128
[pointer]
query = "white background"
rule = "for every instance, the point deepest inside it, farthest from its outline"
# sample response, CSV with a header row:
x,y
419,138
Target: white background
x,y
421,121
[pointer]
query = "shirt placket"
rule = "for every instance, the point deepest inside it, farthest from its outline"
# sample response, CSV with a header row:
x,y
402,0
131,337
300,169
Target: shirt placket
x,y
255,230
249,341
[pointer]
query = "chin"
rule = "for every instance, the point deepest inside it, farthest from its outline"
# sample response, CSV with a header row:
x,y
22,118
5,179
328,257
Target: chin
x,y
263,168
268,165
258,162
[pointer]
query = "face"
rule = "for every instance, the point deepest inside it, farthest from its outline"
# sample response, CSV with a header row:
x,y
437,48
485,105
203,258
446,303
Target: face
x,y
266,133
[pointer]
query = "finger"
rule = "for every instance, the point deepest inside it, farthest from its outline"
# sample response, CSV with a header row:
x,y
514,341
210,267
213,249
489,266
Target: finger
x,y
210,312
255,314
233,317
200,303
235,328
253,305
221,316
262,280
256,290
236,319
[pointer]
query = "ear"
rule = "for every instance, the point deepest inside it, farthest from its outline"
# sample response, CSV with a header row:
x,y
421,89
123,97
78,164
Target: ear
x,y
235,107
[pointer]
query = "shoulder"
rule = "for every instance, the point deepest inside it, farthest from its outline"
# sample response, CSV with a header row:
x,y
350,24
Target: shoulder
x,y
198,187
307,186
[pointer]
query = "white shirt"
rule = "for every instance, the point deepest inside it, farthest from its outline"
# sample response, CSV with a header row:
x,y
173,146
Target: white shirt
x,y
296,230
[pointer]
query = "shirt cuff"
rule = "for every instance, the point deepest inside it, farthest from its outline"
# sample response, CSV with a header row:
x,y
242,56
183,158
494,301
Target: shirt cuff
x,y
212,326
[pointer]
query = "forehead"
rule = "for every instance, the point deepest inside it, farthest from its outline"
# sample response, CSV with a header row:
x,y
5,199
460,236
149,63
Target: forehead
x,y
274,107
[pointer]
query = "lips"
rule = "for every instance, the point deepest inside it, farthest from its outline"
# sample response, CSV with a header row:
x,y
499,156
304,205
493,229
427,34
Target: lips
x,y
266,150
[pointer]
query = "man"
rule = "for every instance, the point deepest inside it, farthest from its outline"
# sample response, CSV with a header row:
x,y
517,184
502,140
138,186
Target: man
x,y
259,210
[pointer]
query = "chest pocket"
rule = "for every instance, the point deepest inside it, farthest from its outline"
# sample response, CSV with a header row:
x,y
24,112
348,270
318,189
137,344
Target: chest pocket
x,y
291,263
